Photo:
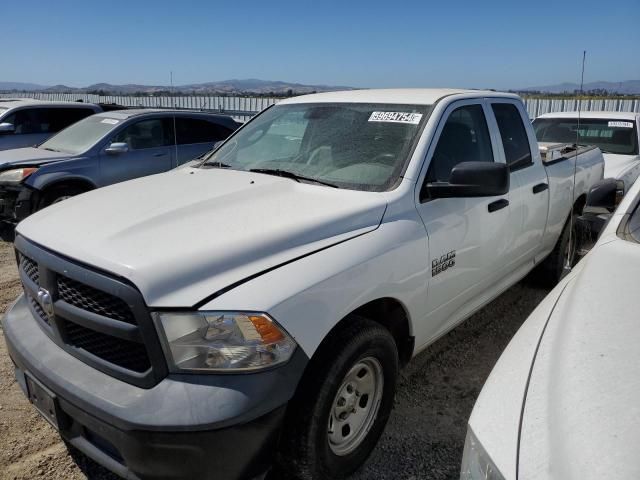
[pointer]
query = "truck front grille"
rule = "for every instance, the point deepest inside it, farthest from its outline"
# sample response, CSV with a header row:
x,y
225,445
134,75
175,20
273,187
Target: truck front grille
x,y
125,354
30,268
38,309
85,303
93,300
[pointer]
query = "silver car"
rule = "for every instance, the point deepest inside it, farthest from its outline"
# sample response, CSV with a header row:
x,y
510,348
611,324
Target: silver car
x,y
25,122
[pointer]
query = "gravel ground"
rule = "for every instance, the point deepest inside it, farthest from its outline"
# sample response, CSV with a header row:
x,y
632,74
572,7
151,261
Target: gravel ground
x,y
424,437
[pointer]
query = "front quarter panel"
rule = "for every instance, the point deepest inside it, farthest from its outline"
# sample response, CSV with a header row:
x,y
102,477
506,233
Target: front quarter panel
x,y
78,168
311,295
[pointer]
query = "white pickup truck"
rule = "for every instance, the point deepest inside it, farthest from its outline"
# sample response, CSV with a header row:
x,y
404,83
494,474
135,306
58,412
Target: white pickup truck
x,y
255,308
616,134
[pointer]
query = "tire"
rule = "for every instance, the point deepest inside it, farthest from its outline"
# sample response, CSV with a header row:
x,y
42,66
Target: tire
x,y
58,194
342,404
552,268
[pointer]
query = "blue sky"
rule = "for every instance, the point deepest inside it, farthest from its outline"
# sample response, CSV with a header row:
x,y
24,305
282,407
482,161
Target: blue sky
x,y
356,43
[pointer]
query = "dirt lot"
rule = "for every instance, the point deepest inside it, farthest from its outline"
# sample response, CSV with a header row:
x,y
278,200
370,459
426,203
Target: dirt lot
x,y
424,437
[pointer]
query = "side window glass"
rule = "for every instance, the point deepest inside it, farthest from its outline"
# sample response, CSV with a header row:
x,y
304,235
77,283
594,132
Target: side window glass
x,y
514,136
31,121
193,130
144,134
464,138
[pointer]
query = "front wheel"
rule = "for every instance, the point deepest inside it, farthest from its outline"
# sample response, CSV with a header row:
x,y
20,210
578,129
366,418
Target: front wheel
x,y
562,258
343,403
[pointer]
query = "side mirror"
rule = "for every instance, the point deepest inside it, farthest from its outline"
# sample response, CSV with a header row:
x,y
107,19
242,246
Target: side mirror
x,y
602,200
604,196
472,179
7,127
117,148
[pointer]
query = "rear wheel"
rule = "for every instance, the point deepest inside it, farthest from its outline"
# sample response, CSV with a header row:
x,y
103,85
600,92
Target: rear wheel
x,y
562,258
343,403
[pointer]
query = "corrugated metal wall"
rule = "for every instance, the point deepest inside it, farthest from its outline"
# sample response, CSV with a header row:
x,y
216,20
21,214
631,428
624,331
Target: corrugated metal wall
x,y
245,107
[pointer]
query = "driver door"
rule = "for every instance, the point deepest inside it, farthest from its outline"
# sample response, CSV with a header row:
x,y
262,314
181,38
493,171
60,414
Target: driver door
x,y
467,237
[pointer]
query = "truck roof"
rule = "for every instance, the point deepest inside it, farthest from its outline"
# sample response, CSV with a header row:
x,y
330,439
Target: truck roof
x,y
25,102
421,96
593,115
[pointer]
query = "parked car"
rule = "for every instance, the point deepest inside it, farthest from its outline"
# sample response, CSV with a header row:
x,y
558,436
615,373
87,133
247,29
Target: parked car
x,y
25,122
101,150
562,401
256,307
615,133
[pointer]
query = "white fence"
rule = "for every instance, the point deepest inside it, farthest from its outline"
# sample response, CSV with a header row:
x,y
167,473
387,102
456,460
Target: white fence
x,y
245,107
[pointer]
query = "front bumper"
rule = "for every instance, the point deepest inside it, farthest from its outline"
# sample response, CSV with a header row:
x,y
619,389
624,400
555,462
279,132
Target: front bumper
x,y
16,202
186,426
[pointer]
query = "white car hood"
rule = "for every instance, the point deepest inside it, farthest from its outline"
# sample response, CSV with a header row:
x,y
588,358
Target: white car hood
x,y
186,234
615,166
582,413
29,154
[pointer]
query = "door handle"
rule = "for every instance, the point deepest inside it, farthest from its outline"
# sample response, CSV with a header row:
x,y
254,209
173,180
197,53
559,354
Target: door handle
x,y
498,205
541,187
159,154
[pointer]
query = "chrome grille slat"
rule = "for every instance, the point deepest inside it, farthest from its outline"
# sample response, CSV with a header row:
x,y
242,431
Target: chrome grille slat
x,y
30,268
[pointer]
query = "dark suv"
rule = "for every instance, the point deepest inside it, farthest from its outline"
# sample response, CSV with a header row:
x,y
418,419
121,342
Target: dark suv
x,y
103,149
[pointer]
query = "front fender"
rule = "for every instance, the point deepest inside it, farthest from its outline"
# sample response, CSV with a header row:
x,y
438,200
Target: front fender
x,y
310,296
79,170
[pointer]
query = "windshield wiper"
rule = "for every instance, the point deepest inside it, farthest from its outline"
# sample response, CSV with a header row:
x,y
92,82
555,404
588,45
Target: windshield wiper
x,y
294,176
215,165
50,149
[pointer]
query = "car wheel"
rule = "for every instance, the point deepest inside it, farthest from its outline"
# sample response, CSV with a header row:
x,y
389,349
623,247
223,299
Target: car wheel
x,y
57,195
342,404
563,256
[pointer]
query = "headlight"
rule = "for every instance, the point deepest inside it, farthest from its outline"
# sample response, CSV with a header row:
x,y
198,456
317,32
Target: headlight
x,y
16,175
476,463
222,341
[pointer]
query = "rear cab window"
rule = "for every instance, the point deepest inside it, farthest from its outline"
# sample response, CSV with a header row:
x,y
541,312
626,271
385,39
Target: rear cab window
x,y
609,134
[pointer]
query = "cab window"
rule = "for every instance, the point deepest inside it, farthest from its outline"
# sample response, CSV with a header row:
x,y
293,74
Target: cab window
x,y
514,136
464,138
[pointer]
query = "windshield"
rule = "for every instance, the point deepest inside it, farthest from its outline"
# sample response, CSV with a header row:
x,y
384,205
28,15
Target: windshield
x,y
611,136
359,146
81,136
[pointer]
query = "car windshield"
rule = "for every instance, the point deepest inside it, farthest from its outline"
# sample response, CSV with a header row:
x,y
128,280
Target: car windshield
x,y
359,146
610,135
81,136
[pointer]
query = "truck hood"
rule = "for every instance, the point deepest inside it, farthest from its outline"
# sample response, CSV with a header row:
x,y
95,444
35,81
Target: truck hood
x,y
29,156
181,236
582,416
616,165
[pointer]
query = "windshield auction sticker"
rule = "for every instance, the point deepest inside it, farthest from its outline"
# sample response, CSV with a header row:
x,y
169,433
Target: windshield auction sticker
x,y
396,117
621,124
110,121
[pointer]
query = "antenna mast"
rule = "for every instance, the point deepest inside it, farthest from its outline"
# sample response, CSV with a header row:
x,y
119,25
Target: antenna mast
x,y
175,132
570,255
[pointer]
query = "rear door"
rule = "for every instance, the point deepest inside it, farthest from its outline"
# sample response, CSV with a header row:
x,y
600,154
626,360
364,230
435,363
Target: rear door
x,y
196,136
529,184
469,238
150,143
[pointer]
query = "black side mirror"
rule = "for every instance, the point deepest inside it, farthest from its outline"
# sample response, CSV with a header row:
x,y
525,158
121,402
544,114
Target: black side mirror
x,y
602,200
472,179
604,196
